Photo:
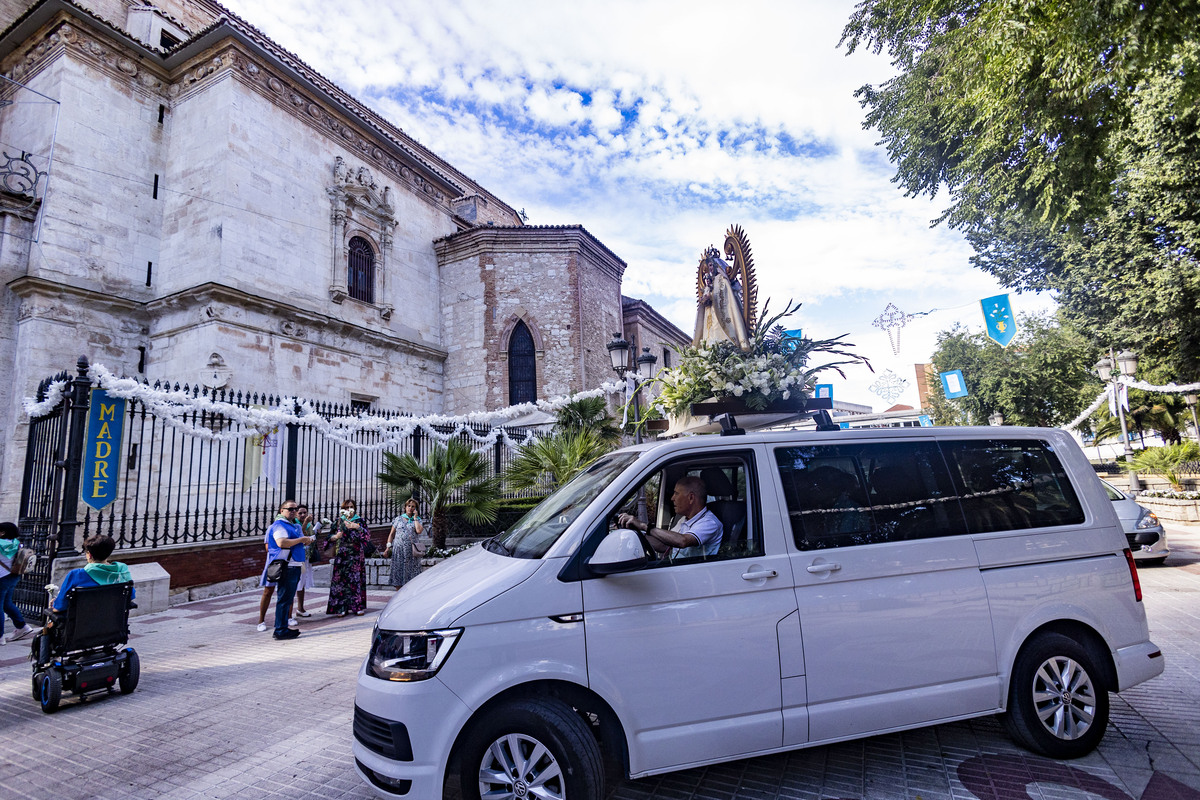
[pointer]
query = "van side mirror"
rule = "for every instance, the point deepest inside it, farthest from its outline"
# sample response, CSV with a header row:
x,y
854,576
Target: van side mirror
x,y
620,551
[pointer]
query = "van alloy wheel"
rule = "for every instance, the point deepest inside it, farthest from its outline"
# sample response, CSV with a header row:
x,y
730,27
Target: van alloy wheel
x,y
1057,699
1065,698
531,749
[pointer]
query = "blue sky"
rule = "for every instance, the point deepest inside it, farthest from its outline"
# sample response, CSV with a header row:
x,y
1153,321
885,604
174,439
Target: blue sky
x,y
656,125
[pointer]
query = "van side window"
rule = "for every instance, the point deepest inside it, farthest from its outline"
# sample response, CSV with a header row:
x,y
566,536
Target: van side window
x,y
1012,485
731,498
847,495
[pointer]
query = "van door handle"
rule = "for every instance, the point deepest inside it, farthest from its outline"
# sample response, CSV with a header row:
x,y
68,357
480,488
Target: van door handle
x,y
759,575
818,569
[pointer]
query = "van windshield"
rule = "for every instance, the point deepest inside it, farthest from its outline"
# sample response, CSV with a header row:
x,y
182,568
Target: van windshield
x,y
533,534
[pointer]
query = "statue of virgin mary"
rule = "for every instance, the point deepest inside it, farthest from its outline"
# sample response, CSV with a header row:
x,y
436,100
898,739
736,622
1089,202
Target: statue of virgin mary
x,y
727,294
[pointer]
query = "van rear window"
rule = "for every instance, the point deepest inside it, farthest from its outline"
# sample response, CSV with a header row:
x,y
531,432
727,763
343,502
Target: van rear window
x,y
1011,485
854,494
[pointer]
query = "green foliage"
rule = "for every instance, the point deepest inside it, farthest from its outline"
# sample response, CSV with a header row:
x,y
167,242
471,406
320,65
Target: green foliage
x,y
1043,378
1148,411
1067,135
1164,461
546,463
589,413
776,368
451,473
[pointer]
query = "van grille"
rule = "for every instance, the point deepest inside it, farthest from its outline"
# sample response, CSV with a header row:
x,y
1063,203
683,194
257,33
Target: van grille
x,y
389,739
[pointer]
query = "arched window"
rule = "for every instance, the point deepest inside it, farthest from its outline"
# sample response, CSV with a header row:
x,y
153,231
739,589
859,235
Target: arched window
x,y
360,272
522,366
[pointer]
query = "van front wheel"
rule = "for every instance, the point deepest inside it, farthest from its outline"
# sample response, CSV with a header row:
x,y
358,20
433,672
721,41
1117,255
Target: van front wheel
x,y
531,749
1057,700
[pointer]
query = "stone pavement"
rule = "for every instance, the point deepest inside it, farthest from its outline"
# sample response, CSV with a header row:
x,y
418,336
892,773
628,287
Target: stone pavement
x,y
223,711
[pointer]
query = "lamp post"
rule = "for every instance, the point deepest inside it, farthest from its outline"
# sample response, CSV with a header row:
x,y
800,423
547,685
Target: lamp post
x,y
1190,399
618,353
995,419
1126,364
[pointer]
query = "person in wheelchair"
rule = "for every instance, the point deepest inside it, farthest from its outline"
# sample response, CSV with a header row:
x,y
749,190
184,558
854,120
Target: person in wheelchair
x,y
98,571
83,646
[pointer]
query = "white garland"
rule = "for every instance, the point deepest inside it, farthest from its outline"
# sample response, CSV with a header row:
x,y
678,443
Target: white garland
x,y
172,407
54,396
1170,388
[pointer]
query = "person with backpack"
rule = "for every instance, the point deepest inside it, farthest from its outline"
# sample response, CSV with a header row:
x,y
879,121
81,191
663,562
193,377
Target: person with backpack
x,y
13,562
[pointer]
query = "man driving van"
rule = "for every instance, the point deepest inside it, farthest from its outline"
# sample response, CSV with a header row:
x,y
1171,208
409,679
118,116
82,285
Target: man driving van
x,y
697,532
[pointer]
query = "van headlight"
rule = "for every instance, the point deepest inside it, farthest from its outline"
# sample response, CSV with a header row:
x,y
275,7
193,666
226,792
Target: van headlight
x,y
410,655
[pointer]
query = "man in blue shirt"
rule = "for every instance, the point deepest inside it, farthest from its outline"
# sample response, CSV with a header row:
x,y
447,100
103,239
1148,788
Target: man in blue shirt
x,y
284,535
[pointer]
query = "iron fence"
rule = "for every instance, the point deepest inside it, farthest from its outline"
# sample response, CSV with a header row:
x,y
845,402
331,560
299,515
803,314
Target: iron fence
x,y
176,488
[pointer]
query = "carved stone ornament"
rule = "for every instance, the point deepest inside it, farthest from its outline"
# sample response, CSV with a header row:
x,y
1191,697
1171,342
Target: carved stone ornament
x,y
215,375
116,61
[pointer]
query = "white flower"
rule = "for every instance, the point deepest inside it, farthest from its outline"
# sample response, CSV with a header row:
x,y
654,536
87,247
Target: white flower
x,y
786,394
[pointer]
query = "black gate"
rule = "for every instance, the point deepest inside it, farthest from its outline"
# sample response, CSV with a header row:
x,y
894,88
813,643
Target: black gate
x,y
55,443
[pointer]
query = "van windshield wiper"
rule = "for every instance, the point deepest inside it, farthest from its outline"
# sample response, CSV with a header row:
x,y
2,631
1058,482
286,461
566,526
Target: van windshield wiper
x,y
495,545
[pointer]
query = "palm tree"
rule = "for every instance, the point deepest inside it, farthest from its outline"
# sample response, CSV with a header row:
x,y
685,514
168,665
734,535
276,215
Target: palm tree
x,y
450,474
1165,461
551,461
589,413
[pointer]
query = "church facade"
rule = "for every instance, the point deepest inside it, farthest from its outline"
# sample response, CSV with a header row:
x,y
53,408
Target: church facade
x,y
217,212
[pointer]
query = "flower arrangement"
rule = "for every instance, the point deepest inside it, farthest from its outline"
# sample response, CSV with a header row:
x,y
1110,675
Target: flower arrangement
x,y
776,368
1171,495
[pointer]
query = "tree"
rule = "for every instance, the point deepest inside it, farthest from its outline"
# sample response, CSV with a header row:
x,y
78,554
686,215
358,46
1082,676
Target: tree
x,y
589,413
1067,136
1042,378
451,474
1165,461
1161,413
547,463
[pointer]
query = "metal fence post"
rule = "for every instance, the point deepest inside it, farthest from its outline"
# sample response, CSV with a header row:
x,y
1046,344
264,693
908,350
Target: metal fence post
x,y
77,408
293,442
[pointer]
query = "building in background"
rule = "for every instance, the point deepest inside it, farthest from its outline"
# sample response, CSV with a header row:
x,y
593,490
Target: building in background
x,y
218,213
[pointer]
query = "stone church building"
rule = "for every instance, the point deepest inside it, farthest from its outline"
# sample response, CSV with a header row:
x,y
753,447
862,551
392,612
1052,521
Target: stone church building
x,y
217,212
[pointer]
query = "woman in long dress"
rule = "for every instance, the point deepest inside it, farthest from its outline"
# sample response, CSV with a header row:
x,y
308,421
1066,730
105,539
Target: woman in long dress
x,y
720,317
348,582
404,545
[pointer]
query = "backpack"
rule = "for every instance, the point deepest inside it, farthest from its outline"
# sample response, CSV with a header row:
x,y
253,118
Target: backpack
x,y
21,561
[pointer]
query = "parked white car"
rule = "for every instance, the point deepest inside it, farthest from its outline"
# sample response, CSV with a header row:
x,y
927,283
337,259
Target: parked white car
x,y
825,586
1143,531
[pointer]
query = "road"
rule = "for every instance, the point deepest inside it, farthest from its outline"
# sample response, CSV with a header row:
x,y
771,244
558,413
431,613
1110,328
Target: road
x,y
224,711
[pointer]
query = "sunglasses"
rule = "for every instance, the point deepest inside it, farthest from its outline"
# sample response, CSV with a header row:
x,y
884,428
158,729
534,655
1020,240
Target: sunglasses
x,y
290,508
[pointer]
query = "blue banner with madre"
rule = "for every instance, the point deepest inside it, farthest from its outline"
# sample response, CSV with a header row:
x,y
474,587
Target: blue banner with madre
x,y
102,449
997,315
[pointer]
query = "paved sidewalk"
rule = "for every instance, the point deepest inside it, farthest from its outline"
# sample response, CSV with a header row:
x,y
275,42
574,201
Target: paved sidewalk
x,y
223,711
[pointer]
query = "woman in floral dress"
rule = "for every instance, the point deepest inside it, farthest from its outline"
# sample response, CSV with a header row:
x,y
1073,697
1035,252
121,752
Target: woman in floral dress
x,y
402,541
348,583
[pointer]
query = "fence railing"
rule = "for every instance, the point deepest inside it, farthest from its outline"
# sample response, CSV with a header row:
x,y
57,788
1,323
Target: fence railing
x,y
176,488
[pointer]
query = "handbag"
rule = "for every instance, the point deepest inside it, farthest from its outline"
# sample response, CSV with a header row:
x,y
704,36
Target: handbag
x,y
277,569
369,549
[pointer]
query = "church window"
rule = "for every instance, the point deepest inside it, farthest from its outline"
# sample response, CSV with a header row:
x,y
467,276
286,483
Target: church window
x,y
360,273
522,366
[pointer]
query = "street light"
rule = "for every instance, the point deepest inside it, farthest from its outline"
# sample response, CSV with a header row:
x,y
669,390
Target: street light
x,y
1126,364
995,419
1190,399
618,353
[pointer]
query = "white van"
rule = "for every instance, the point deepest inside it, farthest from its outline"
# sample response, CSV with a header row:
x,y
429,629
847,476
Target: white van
x,y
863,582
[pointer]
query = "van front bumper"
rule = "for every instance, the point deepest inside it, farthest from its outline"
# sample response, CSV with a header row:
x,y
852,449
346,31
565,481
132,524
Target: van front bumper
x,y
429,716
1137,663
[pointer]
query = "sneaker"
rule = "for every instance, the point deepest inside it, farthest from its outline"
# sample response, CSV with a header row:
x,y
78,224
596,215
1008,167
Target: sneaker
x,y
293,623
303,613
262,626
359,613
22,633
289,634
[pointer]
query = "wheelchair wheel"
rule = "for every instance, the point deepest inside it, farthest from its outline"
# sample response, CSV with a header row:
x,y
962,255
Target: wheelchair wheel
x,y
128,679
37,686
51,690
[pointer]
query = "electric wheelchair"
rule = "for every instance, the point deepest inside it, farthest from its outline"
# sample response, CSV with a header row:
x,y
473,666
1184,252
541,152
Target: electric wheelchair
x,y
82,651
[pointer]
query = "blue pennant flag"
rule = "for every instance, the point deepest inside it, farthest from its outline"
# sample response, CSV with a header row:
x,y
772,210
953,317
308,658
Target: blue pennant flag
x,y
998,316
953,384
